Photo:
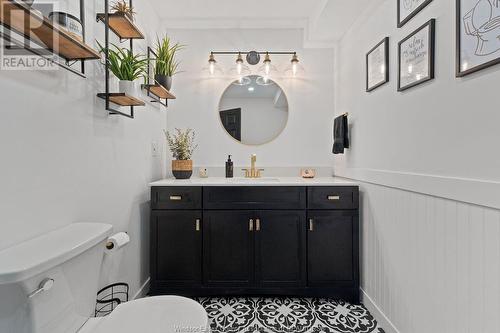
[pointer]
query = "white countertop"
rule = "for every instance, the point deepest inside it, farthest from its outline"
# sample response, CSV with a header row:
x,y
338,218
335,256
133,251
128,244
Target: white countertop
x,y
264,181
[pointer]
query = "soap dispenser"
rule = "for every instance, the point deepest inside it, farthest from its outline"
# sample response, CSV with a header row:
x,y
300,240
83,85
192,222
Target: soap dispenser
x,y
229,167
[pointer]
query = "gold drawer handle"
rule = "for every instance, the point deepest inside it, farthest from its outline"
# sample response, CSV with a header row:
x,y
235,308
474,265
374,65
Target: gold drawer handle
x,y
311,225
197,224
175,197
334,197
250,225
257,227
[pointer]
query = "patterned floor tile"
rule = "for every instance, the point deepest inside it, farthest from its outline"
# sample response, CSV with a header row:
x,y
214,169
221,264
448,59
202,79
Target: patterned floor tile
x,y
287,315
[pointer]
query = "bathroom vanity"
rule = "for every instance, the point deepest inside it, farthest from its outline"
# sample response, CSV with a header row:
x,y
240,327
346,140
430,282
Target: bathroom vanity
x,y
275,236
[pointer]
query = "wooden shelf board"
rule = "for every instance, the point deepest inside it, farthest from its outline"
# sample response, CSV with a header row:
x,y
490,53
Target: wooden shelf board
x,y
159,91
30,23
122,99
122,26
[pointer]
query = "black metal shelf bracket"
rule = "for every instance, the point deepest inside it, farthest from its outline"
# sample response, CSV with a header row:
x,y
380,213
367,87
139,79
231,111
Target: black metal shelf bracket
x,y
154,98
110,110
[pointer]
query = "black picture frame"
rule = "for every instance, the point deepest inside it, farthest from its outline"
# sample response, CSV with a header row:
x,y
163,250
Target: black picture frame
x,y
417,10
386,63
458,67
431,24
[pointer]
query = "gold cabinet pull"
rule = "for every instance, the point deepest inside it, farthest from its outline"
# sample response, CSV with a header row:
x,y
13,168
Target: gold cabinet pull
x,y
198,224
311,225
250,225
257,222
175,197
334,197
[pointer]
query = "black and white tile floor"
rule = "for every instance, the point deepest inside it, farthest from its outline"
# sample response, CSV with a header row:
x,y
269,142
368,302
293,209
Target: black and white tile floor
x,y
287,315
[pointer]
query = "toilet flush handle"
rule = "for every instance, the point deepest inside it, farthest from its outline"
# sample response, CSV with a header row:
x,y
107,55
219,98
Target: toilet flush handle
x,y
45,285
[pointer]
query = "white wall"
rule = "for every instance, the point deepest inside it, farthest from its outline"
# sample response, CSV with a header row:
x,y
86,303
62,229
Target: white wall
x,y
307,138
64,160
427,161
261,121
430,264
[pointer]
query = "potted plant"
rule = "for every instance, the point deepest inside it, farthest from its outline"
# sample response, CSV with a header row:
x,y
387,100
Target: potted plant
x,y
127,67
166,63
182,147
121,7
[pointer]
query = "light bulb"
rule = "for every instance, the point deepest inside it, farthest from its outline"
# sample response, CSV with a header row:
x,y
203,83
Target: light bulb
x,y
240,69
267,68
239,64
267,65
294,69
213,69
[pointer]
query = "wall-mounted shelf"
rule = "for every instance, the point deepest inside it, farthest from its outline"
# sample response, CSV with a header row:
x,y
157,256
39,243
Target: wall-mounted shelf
x,y
154,90
121,99
159,91
15,15
121,25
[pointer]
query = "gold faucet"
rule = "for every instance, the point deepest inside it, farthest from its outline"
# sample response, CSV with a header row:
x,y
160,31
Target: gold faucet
x,y
253,172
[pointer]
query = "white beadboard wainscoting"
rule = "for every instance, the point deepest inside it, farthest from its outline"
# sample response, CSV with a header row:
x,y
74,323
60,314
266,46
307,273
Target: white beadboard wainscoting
x,y
429,264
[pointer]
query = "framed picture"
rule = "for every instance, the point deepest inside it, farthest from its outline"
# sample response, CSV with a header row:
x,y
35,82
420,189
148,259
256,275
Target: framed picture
x,y
377,65
407,9
478,35
416,57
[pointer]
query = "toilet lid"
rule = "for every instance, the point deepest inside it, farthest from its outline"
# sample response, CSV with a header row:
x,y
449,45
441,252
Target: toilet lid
x,y
161,314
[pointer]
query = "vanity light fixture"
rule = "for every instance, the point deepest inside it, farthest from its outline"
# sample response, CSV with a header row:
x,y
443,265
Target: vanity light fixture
x,y
267,69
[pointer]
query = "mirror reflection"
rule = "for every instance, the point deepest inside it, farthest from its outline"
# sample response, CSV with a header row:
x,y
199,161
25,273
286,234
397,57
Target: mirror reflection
x,y
254,110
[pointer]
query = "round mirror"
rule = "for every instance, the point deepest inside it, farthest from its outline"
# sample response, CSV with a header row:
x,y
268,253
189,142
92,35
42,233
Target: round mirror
x,y
253,110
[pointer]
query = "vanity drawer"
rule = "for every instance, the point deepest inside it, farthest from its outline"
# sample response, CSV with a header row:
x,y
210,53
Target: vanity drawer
x,y
254,197
176,197
337,197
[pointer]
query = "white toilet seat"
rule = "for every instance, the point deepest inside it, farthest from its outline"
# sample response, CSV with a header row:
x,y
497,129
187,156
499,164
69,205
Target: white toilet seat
x,y
161,314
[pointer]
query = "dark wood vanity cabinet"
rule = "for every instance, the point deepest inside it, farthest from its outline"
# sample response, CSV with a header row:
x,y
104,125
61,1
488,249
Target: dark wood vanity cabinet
x,y
255,240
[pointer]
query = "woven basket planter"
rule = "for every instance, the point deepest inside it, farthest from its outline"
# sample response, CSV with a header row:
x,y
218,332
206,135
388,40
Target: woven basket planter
x,y
182,169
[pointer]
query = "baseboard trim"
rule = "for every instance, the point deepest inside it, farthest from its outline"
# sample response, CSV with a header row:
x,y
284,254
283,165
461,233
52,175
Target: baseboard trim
x,y
473,191
377,313
143,290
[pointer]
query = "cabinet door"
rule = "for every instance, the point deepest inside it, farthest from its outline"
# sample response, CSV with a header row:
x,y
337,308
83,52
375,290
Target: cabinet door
x,y
280,248
228,248
176,247
332,245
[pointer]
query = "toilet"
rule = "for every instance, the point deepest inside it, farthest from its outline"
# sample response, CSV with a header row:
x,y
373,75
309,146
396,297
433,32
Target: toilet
x,y
48,285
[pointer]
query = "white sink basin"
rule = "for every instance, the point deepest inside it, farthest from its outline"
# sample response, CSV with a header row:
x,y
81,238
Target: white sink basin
x,y
254,180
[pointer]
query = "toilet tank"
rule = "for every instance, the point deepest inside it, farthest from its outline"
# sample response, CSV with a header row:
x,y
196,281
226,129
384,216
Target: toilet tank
x,y
70,256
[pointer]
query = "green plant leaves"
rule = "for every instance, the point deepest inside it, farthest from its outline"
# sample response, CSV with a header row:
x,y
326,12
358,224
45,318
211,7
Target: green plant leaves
x,y
124,64
181,143
166,62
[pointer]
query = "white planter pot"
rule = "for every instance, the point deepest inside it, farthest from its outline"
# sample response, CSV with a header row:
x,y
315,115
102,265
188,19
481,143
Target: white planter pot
x,y
114,85
129,87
